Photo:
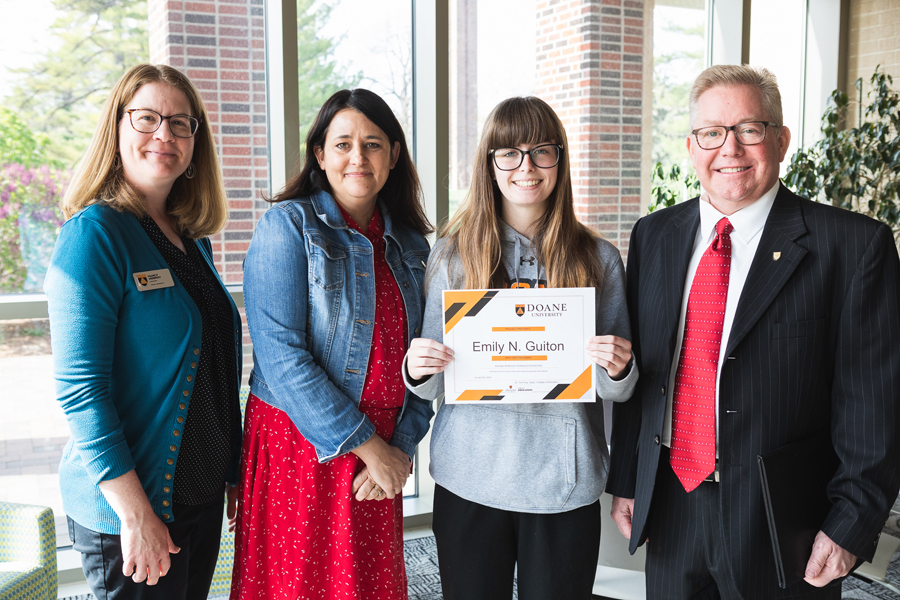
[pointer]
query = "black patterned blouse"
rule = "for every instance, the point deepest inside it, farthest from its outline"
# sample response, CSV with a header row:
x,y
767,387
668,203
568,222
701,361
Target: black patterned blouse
x,y
206,443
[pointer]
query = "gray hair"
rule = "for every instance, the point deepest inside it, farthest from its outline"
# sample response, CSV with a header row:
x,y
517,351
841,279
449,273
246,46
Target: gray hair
x,y
733,75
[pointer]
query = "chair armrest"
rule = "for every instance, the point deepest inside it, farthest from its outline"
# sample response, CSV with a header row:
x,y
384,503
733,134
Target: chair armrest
x,y
28,536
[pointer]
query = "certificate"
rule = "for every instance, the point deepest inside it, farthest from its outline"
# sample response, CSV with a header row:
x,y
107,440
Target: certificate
x,y
516,345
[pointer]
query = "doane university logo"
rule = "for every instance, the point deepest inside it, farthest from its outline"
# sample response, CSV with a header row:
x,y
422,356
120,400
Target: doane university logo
x,y
142,279
520,310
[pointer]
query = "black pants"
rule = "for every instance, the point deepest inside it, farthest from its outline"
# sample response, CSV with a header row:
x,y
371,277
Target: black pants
x,y
196,530
478,548
686,551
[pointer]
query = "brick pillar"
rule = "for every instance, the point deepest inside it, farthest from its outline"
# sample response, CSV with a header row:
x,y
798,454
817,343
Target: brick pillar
x,y
220,45
589,68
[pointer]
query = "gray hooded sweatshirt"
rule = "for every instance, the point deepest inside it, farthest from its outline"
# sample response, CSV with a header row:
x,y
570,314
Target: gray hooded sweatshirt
x,y
535,458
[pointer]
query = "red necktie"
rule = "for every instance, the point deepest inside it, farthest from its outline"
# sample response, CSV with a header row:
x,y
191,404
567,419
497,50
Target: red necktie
x,y
693,450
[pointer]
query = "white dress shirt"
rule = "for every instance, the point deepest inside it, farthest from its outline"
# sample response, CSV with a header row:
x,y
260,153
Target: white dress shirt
x,y
748,225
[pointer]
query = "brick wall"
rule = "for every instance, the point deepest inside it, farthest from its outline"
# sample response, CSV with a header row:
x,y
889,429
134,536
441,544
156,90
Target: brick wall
x,y
220,45
874,38
590,69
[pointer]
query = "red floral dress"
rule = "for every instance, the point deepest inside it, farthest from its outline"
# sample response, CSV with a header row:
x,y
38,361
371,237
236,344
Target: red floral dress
x,y
301,533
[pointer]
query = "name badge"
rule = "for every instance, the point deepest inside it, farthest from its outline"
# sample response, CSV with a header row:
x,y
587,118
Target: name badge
x,y
153,280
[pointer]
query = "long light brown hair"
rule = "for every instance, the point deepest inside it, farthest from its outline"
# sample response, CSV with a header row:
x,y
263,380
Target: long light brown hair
x,y
197,206
565,247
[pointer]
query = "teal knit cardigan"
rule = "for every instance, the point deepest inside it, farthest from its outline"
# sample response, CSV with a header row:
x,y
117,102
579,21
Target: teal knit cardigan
x,y
124,358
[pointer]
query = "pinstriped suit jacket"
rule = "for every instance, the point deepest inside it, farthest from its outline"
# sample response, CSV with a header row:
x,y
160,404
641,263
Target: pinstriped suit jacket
x,y
815,345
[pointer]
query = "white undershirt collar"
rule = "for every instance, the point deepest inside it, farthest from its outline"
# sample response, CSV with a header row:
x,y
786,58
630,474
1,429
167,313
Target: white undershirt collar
x,y
747,222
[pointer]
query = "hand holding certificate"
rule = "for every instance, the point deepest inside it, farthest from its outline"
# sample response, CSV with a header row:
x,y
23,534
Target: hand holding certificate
x,y
519,345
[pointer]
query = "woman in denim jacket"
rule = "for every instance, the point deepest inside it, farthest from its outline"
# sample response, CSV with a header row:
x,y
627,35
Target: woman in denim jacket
x,y
333,285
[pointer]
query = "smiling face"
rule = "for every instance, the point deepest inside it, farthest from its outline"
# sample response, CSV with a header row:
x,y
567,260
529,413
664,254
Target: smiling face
x,y
734,175
152,162
357,158
527,186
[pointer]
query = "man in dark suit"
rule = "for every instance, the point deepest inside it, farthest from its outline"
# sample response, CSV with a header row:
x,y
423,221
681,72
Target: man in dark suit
x,y
791,327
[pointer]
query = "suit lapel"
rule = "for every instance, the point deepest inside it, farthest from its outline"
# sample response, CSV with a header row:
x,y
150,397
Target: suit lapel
x,y
768,274
678,245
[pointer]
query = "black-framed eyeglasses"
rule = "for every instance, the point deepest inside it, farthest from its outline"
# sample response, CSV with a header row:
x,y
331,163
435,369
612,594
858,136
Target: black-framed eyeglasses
x,y
545,156
748,134
144,120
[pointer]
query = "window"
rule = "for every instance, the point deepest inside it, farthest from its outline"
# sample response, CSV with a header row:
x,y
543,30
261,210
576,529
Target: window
x,y
775,44
801,49
678,57
57,63
585,59
50,99
487,64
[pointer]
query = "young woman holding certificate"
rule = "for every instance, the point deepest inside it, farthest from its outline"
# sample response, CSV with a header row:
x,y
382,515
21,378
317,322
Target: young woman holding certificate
x,y
520,483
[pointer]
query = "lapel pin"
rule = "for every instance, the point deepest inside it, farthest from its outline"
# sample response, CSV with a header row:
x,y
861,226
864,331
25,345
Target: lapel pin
x,y
776,255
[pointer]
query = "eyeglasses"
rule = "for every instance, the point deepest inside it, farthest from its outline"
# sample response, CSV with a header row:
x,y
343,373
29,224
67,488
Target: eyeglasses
x,y
144,120
748,134
544,156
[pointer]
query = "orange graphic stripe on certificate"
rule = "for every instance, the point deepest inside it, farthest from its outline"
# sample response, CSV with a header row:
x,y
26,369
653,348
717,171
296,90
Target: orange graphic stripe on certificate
x,y
571,391
464,303
470,395
520,357
518,328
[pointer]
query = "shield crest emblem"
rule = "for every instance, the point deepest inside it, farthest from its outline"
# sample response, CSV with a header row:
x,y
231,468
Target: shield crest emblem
x,y
520,310
142,279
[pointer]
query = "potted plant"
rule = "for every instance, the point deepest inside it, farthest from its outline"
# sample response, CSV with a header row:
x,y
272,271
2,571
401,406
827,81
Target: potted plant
x,y
857,168
671,186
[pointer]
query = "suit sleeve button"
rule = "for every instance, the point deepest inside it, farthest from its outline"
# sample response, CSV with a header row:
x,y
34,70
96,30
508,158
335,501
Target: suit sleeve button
x,y
662,390
656,440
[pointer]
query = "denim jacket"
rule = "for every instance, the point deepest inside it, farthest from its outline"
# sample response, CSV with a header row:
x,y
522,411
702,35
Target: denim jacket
x,y
309,291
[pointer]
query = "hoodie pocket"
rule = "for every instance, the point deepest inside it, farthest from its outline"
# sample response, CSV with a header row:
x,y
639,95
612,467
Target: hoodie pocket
x,y
504,458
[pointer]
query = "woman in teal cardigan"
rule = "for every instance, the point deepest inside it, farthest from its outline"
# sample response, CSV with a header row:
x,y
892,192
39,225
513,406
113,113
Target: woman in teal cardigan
x,y
146,345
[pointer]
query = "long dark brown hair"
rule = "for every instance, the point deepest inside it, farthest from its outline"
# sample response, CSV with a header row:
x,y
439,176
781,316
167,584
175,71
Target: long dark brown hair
x,y
564,246
401,194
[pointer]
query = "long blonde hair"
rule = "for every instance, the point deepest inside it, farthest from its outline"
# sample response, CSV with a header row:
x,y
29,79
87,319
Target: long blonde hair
x,y
565,247
197,206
